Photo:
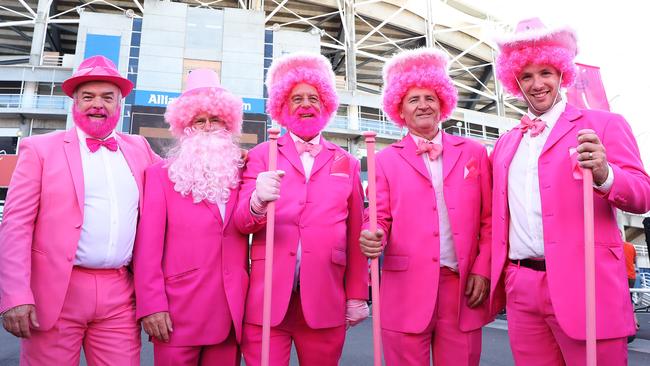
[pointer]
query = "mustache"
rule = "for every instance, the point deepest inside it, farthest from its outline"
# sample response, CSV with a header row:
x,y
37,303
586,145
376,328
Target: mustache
x,y
305,110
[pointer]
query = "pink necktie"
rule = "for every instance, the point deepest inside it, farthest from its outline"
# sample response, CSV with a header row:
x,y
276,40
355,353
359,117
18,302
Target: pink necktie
x,y
312,149
94,144
536,126
433,150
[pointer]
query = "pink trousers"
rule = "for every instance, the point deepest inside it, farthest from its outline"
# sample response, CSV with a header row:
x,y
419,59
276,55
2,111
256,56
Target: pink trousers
x,y
99,315
536,337
449,345
225,353
315,347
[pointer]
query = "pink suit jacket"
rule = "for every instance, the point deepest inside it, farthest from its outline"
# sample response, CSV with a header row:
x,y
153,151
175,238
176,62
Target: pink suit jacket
x,y
43,215
189,262
325,215
406,211
563,221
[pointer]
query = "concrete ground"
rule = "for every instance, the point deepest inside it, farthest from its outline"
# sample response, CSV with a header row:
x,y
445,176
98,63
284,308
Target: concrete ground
x,y
358,346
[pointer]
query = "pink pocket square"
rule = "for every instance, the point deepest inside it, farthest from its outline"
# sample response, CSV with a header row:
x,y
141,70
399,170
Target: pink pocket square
x,y
575,166
340,166
471,169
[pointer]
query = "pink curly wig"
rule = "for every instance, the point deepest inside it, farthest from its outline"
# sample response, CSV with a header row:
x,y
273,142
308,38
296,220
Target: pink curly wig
x,y
422,68
533,43
216,101
300,67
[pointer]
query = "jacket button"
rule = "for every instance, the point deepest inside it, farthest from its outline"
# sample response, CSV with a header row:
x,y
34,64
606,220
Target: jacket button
x,y
292,254
69,258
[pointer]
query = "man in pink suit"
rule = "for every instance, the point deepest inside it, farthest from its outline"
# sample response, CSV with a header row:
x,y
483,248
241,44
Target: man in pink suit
x,y
320,277
538,231
68,231
433,219
190,262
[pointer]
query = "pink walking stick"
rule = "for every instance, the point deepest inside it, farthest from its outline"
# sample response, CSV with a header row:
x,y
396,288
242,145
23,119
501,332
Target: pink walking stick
x,y
268,265
590,267
374,264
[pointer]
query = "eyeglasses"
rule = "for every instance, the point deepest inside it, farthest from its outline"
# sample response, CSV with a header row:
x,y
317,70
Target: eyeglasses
x,y
208,124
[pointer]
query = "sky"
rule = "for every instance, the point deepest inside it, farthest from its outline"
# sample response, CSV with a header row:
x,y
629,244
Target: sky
x,y
613,35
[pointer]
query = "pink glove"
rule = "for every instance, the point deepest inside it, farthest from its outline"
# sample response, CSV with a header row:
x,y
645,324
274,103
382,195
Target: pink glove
x,y
355,312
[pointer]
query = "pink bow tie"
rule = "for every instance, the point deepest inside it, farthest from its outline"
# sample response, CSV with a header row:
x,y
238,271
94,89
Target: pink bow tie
x,y
536,126
94,144
312,149
433,150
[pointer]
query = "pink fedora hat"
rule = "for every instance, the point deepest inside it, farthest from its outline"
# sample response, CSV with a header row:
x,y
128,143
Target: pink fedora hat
x,y
534,43
97,68
203,93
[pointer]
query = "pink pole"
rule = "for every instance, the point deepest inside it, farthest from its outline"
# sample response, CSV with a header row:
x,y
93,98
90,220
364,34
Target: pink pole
x,y
590,269
374,264
268,265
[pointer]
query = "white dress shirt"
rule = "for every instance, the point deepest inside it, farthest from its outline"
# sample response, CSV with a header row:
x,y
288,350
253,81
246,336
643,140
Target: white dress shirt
x,y
110,208
526,231
307,163
447,248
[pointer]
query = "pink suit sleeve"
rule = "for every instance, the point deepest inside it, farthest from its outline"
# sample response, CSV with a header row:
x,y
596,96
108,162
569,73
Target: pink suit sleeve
x,y
149,248
631,188
482,263
245,220
356,272
21,207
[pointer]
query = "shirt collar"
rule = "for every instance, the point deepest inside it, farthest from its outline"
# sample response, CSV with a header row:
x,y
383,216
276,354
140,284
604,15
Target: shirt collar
x,y
315,140
437,139
83,136
552,115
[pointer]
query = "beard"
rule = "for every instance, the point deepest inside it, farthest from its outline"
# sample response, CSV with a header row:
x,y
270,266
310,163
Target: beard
x,y
92,128
304,128
205,165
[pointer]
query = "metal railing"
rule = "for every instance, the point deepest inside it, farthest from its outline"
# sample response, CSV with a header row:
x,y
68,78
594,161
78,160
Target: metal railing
x,y
339,122
381,127
471,132
21,101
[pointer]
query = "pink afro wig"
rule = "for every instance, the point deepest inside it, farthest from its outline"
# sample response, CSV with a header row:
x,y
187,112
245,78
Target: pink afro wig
x,y
300,67
215,100
422,68
533,43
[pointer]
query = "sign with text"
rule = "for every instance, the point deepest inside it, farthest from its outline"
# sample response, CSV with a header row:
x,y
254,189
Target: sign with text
x,y
149,98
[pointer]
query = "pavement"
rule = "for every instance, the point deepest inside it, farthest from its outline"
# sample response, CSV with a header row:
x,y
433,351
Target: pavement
x,y
358,346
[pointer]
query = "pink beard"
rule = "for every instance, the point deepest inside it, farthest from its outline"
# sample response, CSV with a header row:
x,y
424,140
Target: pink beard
x,y
205,165
96,129
303,128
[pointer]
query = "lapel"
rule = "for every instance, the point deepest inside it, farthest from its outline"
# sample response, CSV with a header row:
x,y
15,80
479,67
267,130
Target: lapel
x,y
73,156
451,151
129,154
407,151
287,148
214,208
563,125
509,145
326,153
230,206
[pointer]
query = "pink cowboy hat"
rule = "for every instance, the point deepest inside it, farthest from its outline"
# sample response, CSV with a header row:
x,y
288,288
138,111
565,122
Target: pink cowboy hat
x,y
203,93
97,68
534,43
300,67
422,68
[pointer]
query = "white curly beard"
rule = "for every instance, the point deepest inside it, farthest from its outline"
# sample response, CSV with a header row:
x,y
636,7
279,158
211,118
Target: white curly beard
x,y
205,165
